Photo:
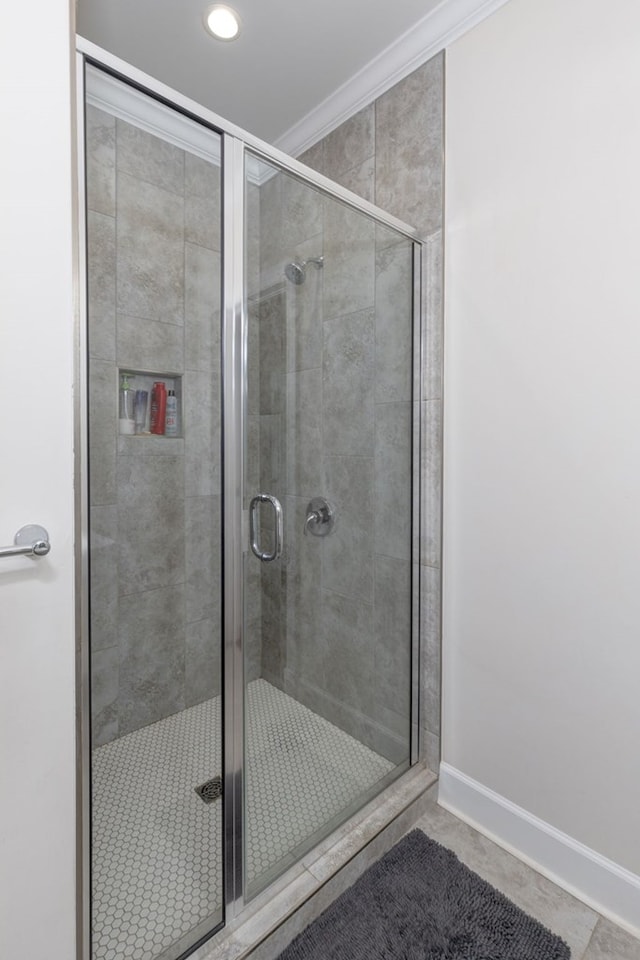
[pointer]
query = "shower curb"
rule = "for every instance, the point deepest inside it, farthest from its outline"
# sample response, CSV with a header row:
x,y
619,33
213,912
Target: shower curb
x,y
281,911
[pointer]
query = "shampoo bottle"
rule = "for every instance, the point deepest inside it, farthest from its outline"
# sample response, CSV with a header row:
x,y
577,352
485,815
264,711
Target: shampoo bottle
x,y
158,407
171,421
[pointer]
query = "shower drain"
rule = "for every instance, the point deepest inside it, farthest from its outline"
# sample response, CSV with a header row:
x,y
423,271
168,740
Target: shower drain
x,y
211,790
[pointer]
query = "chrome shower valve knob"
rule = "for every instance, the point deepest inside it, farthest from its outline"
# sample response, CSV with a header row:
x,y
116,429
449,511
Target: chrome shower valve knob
x,y
321,517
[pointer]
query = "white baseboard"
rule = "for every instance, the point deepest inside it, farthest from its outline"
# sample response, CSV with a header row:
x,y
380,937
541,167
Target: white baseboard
x,y
600,883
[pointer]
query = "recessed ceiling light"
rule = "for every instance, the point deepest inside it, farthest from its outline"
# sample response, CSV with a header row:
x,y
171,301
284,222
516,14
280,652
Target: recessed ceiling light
x,y
222,22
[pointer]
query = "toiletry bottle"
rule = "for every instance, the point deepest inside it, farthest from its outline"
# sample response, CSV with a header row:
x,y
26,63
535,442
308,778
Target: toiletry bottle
x,y
140,410
171,421
153,413
126,421
158,407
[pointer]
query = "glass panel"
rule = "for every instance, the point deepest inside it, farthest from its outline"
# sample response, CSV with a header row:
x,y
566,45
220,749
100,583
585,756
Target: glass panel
x,y
153,222
329,435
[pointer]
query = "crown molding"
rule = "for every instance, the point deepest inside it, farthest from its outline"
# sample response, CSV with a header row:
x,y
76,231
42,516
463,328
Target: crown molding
x,y
121,100
125,102
437,30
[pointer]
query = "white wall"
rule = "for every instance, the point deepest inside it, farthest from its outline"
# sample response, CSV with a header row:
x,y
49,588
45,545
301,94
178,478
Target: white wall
x,y
542,415
37,808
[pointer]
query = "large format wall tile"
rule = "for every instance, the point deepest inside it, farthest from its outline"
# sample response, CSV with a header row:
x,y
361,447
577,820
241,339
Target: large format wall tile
x,y
304,312
326,598
394,322
350,144
201,393
149,158
252,460
302,212
150,446
302,597
273,649
270,459
272,254
271,353
143,546
144,344
202,212
349,263
103,534
150,237
346,566
252,617
202,660
348,385
100,139
392,618
303,433
348,645
394,431
252,238
105,674
253,357
399,165
361,179
409,144
103,420
202,319
150,522
203,558
101,280
314,156
152,633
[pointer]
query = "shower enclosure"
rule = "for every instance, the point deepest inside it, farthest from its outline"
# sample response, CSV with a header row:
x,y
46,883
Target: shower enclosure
x,y
251,639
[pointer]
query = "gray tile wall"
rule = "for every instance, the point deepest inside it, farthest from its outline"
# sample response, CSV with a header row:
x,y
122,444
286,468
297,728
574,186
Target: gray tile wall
x,y
318,424
335,419
391,153
154,305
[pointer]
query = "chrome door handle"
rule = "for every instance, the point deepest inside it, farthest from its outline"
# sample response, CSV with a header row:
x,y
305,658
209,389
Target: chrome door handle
x,y
253,527
30,541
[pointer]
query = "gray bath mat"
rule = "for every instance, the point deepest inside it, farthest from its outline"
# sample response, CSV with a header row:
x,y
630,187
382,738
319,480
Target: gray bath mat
x,y
419,902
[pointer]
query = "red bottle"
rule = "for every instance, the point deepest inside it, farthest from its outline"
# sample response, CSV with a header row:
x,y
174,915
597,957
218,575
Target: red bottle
x,y
158,407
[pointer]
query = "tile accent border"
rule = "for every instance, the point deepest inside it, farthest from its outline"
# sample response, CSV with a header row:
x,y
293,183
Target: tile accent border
x,y
600,883
449,20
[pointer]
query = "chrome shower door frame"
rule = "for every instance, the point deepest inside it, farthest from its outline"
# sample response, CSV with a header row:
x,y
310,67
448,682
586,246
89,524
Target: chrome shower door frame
x,y
235,141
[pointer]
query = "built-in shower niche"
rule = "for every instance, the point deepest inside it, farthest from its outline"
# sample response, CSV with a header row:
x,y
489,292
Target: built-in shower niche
x,y
138,427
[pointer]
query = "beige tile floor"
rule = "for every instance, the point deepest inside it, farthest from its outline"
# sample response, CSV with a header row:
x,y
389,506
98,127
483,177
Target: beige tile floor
x,y
590,936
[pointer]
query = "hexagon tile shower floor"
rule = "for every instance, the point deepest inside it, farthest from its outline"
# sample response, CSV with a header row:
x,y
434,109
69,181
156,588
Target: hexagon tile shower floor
x,y
156,874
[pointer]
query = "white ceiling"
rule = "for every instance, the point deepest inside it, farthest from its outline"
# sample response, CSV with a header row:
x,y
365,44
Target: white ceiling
x,y
298,67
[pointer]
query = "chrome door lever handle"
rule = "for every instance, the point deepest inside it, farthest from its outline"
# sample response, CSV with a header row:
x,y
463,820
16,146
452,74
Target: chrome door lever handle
x,y
31,540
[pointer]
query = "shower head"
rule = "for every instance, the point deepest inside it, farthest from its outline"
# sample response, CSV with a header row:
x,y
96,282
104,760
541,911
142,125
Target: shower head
x,y
296,270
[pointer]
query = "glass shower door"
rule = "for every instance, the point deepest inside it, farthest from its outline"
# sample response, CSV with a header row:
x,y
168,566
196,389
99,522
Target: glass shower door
x,y
328,504
153,258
